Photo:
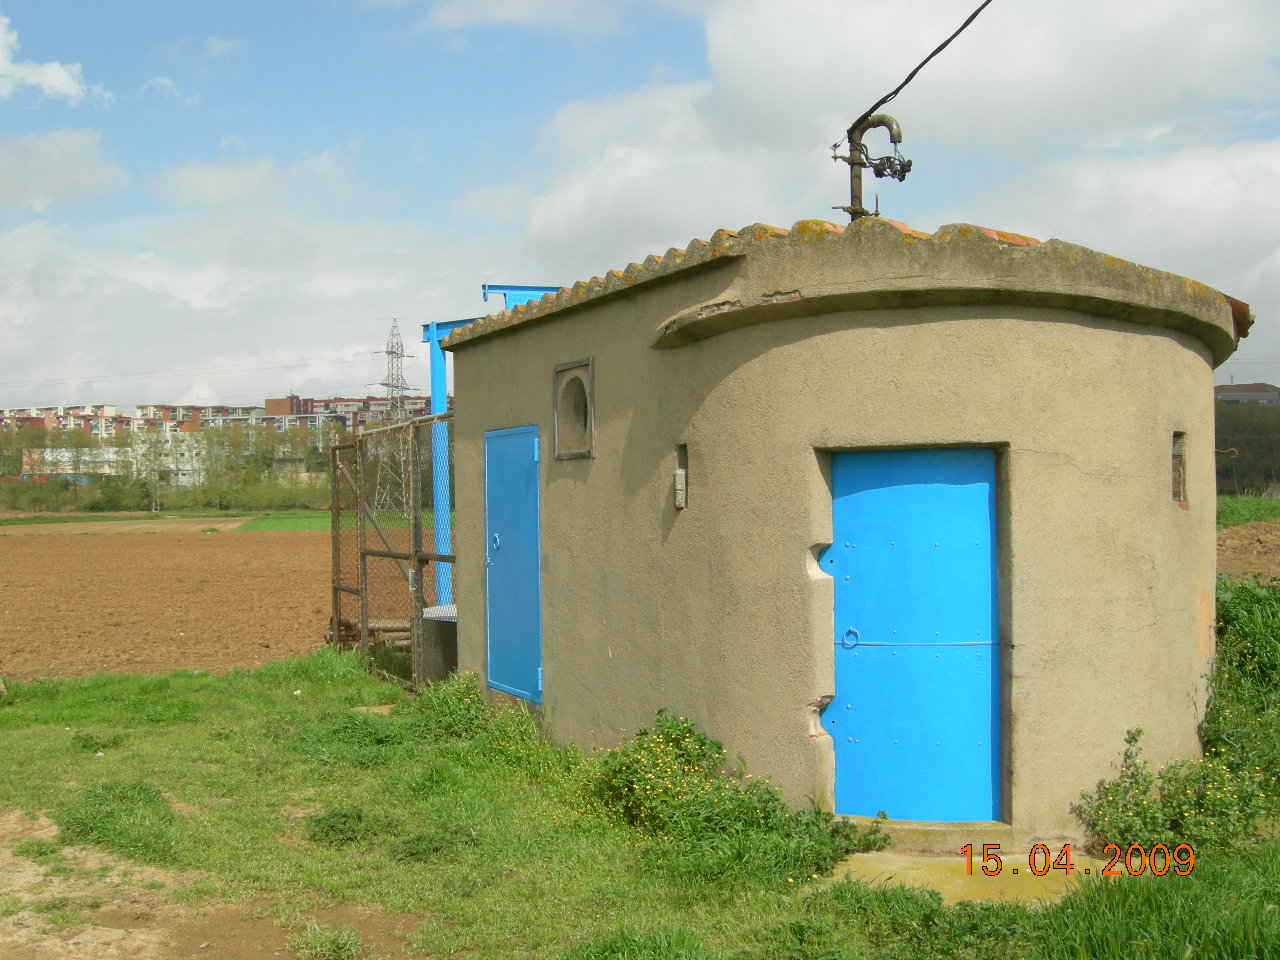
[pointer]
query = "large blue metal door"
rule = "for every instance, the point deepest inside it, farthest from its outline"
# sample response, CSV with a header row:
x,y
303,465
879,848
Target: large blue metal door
x,y
513,601
915,717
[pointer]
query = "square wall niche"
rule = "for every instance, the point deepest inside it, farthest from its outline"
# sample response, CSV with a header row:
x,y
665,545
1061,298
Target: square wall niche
x,y
573,397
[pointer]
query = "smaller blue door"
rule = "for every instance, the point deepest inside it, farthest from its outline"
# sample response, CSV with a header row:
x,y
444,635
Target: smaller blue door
x,y
513,601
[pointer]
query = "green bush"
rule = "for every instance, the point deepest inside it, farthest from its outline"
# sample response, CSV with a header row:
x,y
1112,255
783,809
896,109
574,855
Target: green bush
x,y
453,709
130,818
326,943
40,849
1242,721
1221,800
1248,653
96,744
1233,511
1201,802
347,825
362,740
668,783
426,845
851,920
630,945
117,494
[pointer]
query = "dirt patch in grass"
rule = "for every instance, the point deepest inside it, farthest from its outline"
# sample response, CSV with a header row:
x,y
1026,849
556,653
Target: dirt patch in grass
x,y
73,605
1250,548
79,904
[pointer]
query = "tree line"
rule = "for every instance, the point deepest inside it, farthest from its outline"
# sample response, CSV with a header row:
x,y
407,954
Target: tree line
x,y
252,467
234,467
1252,431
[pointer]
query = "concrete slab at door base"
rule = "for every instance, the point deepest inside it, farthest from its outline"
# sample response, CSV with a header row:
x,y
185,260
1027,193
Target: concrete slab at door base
x,y
946,874
928,836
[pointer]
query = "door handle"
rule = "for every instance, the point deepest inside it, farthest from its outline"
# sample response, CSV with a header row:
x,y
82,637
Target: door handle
x,y
497,541
845,641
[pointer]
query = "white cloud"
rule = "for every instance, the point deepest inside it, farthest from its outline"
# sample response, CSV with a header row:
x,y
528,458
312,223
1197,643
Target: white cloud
x,y
1020,72
1202,211
638,194
253,270
1140,130
575,16
317,182
61,80
1208,213
637,171
168,88
40,170
215,46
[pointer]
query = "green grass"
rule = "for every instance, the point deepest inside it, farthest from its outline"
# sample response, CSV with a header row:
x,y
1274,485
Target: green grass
x,y
288,520
267,521
326,943
270,520
482,839
1236,510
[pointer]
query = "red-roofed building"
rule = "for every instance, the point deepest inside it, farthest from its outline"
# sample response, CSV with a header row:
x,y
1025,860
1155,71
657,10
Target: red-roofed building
x,y
1247,393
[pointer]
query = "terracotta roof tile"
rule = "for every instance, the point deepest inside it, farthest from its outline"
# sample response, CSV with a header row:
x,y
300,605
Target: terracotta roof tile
x,y
733,243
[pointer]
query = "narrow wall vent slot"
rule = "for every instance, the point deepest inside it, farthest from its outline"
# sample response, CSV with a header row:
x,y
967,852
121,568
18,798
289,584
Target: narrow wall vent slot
x,y
1179,467
682,476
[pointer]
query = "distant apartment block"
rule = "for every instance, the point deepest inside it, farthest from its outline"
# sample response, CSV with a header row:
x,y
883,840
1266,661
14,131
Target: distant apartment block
x,y
103,422
352,412
1247,393
175,459
99,420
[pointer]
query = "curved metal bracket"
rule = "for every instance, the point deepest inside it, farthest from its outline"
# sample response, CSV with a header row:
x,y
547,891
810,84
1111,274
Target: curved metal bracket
x,y
895,166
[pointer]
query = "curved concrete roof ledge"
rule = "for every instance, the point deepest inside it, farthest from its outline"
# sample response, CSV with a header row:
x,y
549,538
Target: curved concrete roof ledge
x,y
875,264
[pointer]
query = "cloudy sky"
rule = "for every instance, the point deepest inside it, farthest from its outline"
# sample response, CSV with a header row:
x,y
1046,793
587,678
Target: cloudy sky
x,y
224,200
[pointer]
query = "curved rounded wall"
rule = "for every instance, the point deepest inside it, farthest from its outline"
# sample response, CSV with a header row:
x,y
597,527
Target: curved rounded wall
x,y
718,611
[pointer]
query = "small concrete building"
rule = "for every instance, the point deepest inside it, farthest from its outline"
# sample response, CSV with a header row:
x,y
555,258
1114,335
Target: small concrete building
x,y
913,523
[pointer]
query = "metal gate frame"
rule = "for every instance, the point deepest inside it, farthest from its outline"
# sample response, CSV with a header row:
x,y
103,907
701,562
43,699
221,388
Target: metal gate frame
x,y
429,632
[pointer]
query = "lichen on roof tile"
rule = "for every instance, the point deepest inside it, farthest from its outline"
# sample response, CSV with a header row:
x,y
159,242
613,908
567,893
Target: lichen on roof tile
x,y
815,228
725,244
907,232
758,231
1012,239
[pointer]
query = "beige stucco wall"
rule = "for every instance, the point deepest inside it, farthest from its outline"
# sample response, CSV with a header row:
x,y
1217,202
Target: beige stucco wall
x,y
719,611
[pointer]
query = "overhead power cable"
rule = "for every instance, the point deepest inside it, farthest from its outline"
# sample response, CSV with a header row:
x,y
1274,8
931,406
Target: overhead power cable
x,y
912,75
119,333
895,165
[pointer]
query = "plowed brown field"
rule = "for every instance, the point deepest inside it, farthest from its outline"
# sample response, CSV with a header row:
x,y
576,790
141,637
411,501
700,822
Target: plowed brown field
x,y
1250,548
76,598
145,602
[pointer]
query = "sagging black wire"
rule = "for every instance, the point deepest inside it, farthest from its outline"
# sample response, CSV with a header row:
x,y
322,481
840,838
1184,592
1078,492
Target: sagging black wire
x,y
911,76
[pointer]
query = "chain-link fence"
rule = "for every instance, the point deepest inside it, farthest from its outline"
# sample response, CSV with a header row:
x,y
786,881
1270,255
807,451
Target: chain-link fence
x,y
392,532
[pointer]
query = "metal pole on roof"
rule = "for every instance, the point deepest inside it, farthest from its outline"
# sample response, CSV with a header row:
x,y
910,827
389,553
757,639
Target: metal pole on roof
x,y
896,166
857,158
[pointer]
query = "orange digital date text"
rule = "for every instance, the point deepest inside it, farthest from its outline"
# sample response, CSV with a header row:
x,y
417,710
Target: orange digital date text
x,y
1133,860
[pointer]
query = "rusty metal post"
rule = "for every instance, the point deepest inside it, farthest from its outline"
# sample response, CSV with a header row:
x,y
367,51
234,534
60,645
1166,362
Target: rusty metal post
x,y
335,578
362,547
857,159
417,627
